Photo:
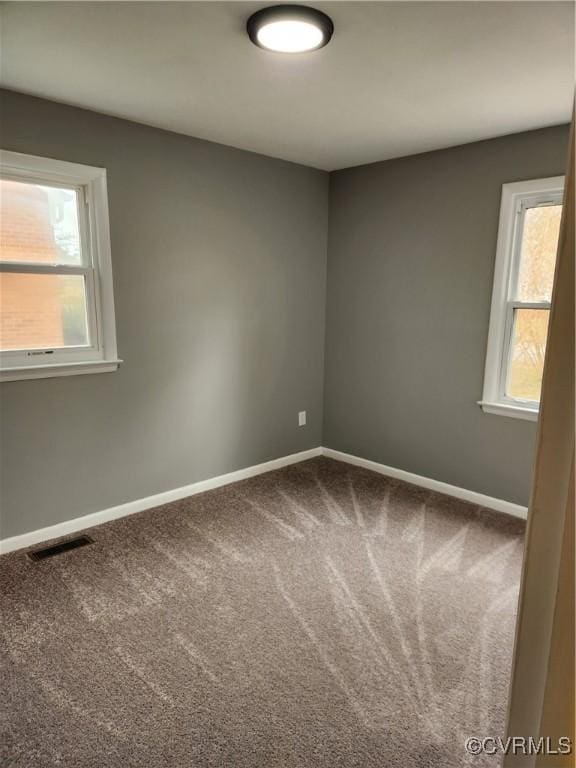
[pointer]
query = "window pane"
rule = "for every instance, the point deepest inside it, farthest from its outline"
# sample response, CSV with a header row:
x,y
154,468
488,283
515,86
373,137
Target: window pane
x,y
38,224
527,353
42,311
538,252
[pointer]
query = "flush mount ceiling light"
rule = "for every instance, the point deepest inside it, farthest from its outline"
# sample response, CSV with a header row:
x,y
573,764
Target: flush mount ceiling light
x,y
290,28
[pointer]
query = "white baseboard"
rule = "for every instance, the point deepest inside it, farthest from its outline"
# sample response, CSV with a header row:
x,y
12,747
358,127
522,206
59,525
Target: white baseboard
x,y
433,485
139,505
113,513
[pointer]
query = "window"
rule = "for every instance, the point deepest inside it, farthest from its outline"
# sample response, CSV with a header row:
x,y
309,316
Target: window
x,y
56,302
528,233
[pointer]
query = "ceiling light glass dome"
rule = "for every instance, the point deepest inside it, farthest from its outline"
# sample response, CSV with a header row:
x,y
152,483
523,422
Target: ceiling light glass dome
x,y
290,28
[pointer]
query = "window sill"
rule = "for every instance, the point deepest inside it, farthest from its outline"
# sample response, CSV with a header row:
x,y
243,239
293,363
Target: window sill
x,y
58,369
515,411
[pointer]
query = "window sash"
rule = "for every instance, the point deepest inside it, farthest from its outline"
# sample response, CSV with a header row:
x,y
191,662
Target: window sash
x,y
82,201
517,199
96,268
506,362
10,358
524,204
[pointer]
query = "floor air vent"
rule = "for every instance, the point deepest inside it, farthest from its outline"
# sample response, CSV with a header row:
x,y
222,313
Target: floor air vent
x,y
57,549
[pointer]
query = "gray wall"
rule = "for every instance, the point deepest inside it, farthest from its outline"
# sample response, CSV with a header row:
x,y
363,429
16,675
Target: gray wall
x,y
411,257
219,260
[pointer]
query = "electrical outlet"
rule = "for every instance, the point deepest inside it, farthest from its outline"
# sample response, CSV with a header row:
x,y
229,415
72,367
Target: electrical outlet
x,y
302,419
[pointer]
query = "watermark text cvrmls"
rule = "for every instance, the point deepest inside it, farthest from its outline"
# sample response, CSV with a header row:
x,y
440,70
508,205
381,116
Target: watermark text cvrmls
x,y
518,745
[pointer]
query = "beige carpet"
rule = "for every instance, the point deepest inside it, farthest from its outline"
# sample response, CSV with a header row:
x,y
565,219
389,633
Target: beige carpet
x,y
317,616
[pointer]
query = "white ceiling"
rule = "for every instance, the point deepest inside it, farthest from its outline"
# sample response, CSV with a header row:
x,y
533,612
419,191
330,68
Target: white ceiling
x,y
397,78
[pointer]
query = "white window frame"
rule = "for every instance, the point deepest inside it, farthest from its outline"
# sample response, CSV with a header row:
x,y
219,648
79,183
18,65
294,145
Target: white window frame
x,y
90,184
517,197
